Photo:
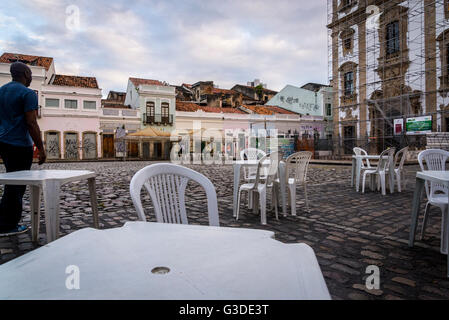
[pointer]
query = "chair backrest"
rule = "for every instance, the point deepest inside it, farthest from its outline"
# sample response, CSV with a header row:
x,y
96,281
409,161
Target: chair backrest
x,y
166,184
298,164
251,154
434,160
361,152
385,158
265,174
400,157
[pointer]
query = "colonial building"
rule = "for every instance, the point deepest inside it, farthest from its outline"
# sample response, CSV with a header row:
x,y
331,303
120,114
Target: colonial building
x,y
70,117
69,108
117,119
42,68
254,94
156,102
389,64
206,93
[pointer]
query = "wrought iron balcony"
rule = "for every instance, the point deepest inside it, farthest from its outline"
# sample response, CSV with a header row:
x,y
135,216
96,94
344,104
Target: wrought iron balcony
x,y
158,119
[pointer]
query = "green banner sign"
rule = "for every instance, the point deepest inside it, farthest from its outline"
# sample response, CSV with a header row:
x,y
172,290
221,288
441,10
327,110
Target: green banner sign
x,y
419,125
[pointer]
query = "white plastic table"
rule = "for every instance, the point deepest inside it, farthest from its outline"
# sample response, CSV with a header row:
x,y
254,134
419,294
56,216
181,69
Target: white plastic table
x,y
357,168
440,177
254,163
50,182
203,263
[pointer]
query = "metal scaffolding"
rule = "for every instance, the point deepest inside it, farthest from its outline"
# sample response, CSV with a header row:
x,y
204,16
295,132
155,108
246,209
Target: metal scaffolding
x,y
409,83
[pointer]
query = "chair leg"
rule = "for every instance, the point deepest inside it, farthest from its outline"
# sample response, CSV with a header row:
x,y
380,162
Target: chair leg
x,y
255,196
307,199
263,206
382,182
292,191
250,200
276,208
238,205
424,221
398,178
444,230
363,182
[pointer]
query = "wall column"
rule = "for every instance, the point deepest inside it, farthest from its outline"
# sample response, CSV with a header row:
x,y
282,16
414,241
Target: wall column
x,y
362,79
430,60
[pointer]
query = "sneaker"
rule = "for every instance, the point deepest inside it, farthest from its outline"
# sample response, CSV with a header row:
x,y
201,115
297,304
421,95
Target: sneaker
x,y
16,230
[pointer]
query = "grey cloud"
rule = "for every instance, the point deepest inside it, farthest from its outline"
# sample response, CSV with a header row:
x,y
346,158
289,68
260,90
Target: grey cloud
x,y
230,41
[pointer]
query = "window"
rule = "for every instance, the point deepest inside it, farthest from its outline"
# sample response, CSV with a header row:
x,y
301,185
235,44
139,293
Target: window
x,y
392,40
347,43
328,109
92,105
51,103
71,104
349,83
150,112
165,112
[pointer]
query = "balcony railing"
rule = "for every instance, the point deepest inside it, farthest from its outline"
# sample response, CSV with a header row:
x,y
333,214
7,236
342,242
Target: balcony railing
x,y
158,119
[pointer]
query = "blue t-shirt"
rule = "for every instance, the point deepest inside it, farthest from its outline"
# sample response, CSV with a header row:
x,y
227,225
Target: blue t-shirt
x,y
15,100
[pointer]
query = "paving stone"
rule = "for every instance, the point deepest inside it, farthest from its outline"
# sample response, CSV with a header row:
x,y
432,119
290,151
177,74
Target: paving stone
x,y
372,255
347,230
405,281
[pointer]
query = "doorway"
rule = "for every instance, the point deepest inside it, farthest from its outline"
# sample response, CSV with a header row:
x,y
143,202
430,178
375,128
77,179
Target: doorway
x,y
348,139
157,150
146,150
108,146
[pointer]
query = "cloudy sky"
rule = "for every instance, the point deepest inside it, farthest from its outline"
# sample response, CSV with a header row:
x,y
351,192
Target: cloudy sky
x,y
178,41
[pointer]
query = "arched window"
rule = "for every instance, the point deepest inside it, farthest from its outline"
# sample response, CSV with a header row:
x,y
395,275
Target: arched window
x,y
150,112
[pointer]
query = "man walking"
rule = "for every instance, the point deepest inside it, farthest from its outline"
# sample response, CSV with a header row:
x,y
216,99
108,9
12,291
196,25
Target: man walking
x,y
18,130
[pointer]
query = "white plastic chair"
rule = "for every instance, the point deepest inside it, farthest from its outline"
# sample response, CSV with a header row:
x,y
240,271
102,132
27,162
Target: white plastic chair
x,y
259,187
361,152
437,194
166,183
251,154
380,170
399,160
297,165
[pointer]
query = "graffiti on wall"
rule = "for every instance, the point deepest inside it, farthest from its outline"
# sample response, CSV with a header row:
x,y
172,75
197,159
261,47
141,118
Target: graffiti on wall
x,y
90,146
306,106
71,146
52,144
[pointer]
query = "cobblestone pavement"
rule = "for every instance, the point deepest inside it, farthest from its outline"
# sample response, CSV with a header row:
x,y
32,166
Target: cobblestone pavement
x,y
347,230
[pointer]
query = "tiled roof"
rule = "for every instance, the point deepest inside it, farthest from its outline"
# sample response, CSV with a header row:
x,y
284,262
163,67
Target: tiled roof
x,y
75,81
27,59
186,106
268,110
137,82
218,110
187,85
192,107
223,91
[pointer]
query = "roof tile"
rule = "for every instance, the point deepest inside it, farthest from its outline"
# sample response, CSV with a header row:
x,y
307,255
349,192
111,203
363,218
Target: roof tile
x,y
137,82
75,81
39,61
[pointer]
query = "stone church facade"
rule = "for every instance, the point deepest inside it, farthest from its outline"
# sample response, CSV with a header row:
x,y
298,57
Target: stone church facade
x,y
389,60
